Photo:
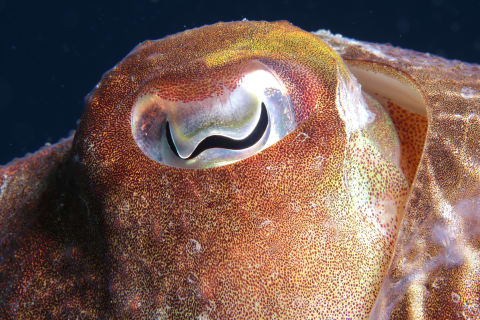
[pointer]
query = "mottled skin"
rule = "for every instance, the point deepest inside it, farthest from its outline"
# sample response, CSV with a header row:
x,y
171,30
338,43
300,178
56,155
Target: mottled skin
x,y
436,270
102,231
271,235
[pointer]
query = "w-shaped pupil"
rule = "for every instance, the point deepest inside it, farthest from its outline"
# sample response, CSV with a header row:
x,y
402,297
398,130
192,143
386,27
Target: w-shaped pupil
x,y
223,142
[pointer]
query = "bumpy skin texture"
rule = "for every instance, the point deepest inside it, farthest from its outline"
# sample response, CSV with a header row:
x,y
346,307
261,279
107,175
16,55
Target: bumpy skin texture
x,y
51,247
102,231
435,273
291,232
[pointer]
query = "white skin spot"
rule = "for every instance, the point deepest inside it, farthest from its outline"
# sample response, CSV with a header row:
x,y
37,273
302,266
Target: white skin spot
x,y
203,316
4,185
193,246
162,314
455,297
302,136
265,223
468,93
351,106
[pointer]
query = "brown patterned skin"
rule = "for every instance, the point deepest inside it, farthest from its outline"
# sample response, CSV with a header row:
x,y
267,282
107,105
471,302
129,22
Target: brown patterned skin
x,y
102,231
435,273
275,235
48,267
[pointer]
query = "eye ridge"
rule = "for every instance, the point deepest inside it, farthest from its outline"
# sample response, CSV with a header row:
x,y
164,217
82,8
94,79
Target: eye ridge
x,y
216,141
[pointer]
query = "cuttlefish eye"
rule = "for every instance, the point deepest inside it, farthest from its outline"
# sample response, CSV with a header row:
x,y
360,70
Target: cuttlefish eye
x,y
225,127
298,217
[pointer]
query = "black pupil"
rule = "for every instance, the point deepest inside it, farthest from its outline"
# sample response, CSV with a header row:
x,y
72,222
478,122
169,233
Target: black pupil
x,y
216,141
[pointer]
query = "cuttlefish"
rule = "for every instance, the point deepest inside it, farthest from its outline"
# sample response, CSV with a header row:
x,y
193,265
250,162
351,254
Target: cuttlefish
x,y
252,170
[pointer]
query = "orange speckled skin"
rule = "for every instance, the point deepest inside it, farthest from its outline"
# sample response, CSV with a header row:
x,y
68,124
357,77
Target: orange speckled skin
x,y
435,272
273,235
97,230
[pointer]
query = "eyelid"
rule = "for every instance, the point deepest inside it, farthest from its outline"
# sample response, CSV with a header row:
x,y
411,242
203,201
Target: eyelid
x,y
232,116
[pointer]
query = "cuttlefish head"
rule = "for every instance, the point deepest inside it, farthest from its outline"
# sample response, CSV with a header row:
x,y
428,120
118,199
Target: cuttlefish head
x,y
241,173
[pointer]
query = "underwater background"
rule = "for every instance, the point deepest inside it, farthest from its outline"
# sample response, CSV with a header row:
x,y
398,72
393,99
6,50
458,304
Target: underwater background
x,y
53,53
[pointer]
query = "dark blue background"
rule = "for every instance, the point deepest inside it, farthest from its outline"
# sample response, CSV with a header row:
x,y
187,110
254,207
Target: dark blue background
x,y
53,54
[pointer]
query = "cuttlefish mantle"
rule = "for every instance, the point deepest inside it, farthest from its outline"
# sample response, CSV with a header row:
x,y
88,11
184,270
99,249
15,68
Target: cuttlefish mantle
x,y
253,170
